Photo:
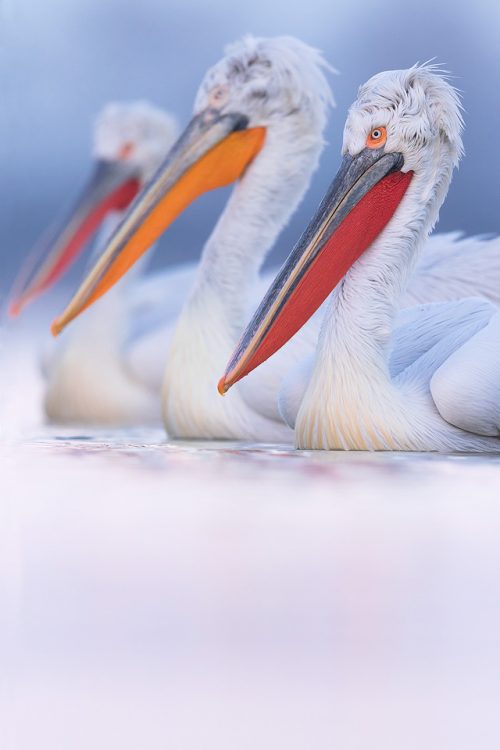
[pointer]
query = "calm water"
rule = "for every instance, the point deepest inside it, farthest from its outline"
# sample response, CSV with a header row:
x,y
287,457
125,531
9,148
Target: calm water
x,y
194,595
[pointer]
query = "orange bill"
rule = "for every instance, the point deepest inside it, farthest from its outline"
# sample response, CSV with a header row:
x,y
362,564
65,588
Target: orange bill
x,y
214,151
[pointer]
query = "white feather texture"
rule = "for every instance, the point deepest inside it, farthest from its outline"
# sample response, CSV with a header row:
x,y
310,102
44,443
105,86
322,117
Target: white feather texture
x,y
453,266
271,78
147,130
86,376
271,83
353,401
278,84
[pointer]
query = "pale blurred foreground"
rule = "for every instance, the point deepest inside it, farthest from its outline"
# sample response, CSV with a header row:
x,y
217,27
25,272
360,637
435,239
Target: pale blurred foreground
x,y
171,596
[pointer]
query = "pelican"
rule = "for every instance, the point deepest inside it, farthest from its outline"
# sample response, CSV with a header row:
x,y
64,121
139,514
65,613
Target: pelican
x,y
87,381
259,119
428,380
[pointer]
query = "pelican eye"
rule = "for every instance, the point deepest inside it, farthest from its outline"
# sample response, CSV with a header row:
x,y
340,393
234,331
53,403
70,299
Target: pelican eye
x,y
218,96
377,137
126,150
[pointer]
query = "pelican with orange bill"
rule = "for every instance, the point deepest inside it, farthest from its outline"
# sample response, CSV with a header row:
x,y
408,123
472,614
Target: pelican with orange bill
x,y
214,151
259,121
426,380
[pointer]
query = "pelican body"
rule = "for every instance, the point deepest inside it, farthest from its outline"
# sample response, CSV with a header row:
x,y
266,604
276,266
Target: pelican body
x,y
87,378
426,378
258,120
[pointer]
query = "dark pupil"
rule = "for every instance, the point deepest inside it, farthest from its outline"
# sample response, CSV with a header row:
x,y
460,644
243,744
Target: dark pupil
x,y
376,133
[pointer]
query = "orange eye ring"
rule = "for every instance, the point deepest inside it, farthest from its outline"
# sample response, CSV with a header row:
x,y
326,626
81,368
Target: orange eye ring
x,y
126,150
377,137
218,97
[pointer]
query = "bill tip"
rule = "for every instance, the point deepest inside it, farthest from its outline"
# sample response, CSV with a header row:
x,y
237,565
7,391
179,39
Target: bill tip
x,y
222,386
14,309
56,327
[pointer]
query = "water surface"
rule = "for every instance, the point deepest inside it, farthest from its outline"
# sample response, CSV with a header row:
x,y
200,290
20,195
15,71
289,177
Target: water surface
x,y
168,594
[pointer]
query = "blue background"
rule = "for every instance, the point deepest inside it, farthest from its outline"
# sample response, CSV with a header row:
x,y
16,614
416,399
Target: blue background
x,y
62,60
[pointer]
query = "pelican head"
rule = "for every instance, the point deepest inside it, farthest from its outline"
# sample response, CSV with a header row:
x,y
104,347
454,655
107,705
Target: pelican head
x,y
415,113
130,140
402,140
134,133
271,83
264,91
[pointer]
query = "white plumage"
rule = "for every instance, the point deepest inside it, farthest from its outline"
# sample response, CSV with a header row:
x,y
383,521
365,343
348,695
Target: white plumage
x,y
86,376
453,266
137,131
278,84
427,380
212,319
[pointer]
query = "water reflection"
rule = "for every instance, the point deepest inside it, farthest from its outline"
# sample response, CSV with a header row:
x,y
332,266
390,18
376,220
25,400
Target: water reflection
x,y
152,449
159,593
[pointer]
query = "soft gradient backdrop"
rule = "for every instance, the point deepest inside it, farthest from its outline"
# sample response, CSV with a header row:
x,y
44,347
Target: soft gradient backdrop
x,y
61,60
